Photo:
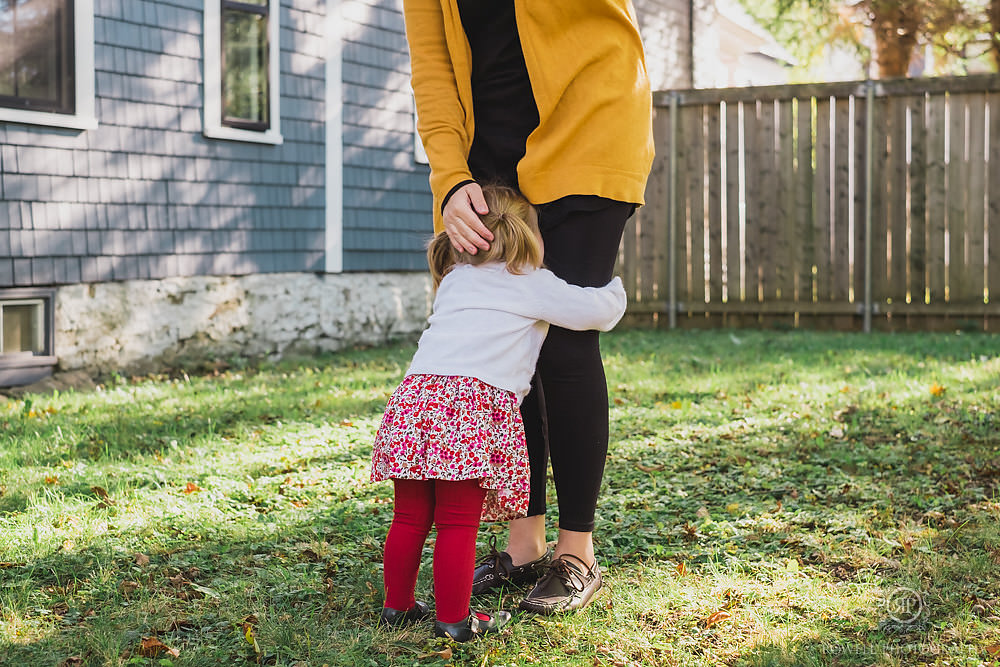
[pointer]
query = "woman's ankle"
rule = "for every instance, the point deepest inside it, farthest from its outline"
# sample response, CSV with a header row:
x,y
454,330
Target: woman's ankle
x,y
576,543
522,554
526,541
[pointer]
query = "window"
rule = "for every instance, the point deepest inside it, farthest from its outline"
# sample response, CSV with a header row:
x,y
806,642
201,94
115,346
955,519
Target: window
x,y
26,335
23,326
241,70
47,62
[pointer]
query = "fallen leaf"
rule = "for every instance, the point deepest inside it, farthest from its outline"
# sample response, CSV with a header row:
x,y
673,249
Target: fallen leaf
x,y
643,468
717,617
676,405
346,422
191,488
443,654
993,650
128,586
142,560
73,661
702,512
52,479
681,568
204,590
151,647
102,493
251,639
937,389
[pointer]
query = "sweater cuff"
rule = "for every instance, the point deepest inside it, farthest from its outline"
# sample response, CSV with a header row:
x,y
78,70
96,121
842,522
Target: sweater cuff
x,y
458,186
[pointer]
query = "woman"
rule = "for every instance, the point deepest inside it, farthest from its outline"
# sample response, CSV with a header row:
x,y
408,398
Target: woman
x,y
551,98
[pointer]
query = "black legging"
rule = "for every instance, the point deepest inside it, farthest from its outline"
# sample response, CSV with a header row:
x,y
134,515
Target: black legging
x,y
566,413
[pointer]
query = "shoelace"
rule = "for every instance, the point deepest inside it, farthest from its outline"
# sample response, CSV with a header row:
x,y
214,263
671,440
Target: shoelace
x,y
493,555
569,575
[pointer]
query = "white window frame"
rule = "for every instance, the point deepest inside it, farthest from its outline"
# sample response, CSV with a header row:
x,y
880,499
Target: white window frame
x,y
85,115
212,126
334,150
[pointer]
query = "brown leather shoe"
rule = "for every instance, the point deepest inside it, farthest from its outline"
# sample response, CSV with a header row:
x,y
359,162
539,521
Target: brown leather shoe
x,y
497,569
568,585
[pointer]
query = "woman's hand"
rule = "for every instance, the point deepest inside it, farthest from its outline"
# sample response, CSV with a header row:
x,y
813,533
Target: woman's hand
x,y
461,219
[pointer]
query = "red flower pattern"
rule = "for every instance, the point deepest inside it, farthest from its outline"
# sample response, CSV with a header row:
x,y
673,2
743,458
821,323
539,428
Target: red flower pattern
x,y
454,428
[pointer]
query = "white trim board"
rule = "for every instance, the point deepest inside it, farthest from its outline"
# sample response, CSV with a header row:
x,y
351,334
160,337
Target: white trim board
x,y
85,116
212,126
334,140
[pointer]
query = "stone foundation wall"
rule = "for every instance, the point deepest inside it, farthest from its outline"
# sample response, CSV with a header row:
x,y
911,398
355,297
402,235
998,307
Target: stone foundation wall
x,y
141,325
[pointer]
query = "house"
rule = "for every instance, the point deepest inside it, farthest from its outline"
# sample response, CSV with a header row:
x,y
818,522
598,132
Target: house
x,y
218,177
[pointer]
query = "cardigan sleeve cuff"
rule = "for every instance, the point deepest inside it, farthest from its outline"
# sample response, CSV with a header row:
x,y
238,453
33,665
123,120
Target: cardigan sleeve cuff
x,y
458,186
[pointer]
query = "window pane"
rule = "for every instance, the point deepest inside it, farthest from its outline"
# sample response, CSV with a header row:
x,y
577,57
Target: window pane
x,y
37,40
22,331
36,50
7,47
244,58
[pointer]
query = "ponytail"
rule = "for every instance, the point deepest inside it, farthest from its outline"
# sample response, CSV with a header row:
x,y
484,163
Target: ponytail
x,y
440,257
515,237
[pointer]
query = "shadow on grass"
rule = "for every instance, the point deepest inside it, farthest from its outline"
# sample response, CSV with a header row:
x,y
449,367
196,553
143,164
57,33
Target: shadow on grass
x,y
870,492
312,574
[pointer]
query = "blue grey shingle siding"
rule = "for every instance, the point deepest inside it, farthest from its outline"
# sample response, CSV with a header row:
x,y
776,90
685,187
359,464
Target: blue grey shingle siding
x,y
387,201
146,195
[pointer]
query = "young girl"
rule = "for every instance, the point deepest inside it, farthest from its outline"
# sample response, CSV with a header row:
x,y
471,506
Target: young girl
x,y
451,439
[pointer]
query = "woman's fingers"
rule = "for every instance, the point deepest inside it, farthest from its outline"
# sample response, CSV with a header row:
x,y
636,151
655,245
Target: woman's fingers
x,y
461,220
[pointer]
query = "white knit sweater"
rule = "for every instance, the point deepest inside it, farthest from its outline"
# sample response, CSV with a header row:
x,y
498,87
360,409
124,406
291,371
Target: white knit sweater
x,y
489,324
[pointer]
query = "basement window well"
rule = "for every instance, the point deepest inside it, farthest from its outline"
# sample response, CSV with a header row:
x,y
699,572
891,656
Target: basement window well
x,y
27,336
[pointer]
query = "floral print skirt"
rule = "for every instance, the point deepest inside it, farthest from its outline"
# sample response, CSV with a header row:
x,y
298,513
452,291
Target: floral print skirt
x,y
456,428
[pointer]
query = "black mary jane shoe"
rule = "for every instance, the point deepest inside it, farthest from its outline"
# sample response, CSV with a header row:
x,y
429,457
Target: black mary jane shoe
x,y
473,626
394,617
497,569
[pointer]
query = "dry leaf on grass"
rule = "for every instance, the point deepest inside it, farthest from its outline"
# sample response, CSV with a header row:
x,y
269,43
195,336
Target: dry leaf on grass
x,y
717,617
102,493
443,654
151,647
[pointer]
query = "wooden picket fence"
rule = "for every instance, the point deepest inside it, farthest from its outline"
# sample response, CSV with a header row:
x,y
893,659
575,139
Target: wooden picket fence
x,y
846,205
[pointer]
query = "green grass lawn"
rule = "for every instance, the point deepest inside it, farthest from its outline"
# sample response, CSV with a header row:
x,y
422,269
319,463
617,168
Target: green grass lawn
x,y
770,499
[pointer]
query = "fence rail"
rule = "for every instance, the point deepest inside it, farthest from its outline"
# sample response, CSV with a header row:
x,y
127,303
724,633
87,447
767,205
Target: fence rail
x,y
848,205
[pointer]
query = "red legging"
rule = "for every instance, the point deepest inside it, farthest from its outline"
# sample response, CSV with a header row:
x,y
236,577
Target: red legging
x,y
455,508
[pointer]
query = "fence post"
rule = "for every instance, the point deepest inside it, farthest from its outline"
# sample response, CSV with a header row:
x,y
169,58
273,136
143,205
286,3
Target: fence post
x,y
672,218
869,150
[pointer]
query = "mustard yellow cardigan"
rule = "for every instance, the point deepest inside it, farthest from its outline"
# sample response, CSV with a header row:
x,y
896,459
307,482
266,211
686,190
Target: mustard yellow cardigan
x,y
588,76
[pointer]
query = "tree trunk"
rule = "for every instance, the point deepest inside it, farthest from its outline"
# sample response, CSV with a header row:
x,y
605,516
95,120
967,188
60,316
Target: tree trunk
x,y
896,25
994,12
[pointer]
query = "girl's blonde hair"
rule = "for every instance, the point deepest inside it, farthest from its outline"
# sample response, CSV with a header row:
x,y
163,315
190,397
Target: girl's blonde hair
x,y
515,237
